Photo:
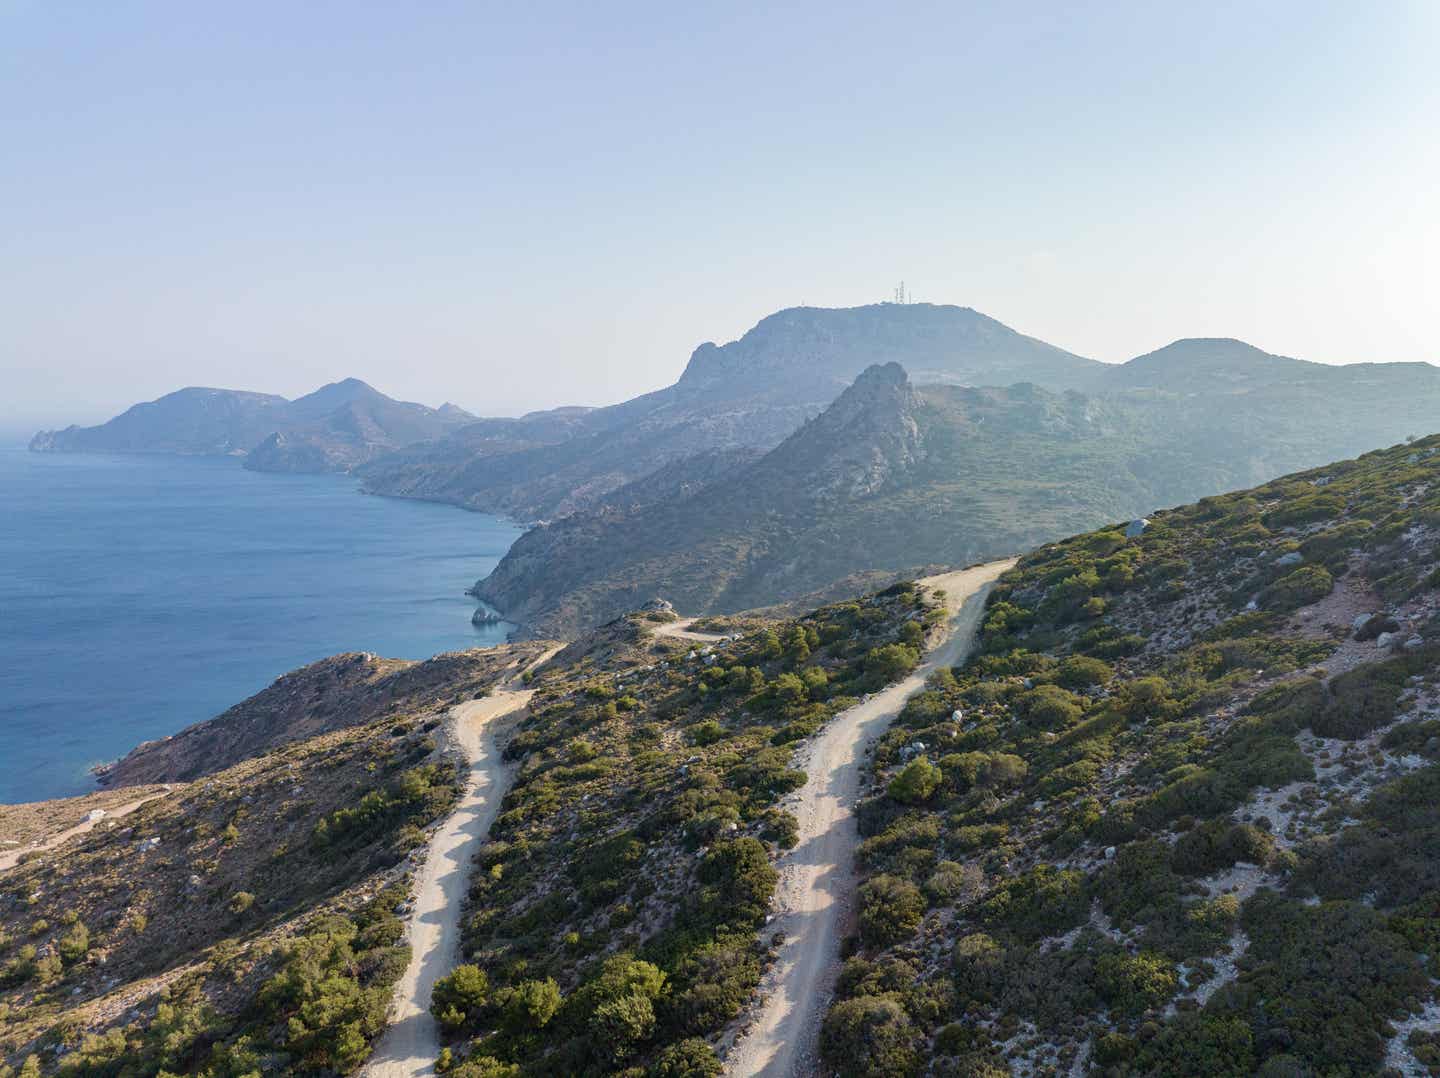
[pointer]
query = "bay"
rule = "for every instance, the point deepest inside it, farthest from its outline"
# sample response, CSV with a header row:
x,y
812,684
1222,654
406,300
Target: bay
x,y
139,594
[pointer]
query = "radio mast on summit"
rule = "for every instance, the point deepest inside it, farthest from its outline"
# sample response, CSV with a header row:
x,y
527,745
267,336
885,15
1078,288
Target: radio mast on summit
x,y
901,296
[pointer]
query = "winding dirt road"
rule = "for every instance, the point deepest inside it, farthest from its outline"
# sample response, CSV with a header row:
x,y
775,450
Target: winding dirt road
x,y
817,878
411,1042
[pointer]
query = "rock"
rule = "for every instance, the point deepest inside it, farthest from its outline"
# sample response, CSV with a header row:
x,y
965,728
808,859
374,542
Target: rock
x,y
94,815
1414,642
1136,528
1358,622
1109,853
1293,558
1384,640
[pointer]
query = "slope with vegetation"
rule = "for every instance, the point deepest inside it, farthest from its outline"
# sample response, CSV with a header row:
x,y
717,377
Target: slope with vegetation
x,y
894,476
1178,816
249,920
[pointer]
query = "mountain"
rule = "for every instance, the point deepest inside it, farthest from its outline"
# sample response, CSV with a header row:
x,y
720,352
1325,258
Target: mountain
x,y
190,422
748,395
895,475
335,428
1181,814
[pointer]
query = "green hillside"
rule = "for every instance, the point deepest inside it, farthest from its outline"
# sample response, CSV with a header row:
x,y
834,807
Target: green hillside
x,y
1180,815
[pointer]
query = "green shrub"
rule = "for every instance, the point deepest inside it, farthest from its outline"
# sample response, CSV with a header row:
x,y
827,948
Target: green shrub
x,y
1083,671
1133,984
890,910
870,1037
1306,585
916,783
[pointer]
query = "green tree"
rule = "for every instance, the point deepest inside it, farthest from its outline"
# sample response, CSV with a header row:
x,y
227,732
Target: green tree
x,y
458,998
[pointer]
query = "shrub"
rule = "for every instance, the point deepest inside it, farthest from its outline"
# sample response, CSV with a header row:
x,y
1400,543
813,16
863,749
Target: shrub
x,y
890,910
738,883
1082,671
1133,984
870,1037
619,1026
916,783
690,1058
241,901
1306,585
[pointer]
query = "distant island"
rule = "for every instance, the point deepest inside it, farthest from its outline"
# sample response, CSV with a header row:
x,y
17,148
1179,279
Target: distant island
x,y
334,429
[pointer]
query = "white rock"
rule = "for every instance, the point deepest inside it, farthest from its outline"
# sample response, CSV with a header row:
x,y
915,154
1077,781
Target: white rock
x,y
1136,528
1414,642
1109,853
1293,558
1384,640
1359,621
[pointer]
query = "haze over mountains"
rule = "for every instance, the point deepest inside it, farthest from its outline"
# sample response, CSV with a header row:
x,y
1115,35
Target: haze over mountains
x,y
332,429
759,477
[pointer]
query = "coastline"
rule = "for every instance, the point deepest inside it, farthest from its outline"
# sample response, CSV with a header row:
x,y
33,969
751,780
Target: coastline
x,y
222,579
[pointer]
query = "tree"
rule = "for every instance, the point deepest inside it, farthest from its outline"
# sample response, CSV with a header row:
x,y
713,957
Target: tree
x,y
620,1025
530,1004
458,998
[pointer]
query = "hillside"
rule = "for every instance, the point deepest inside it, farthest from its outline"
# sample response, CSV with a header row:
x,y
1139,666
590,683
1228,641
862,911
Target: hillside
x,y
335,428
746,395
1179,817
894,476
251,919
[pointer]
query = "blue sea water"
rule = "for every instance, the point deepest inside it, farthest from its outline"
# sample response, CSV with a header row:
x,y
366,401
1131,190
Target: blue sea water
x,y
139,594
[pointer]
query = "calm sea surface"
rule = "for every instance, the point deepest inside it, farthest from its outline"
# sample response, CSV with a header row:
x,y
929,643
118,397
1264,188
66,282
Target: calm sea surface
x,y
140,594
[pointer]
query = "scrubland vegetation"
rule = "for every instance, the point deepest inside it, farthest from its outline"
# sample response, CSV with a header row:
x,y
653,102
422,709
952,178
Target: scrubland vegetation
x,y
616,917
1179,815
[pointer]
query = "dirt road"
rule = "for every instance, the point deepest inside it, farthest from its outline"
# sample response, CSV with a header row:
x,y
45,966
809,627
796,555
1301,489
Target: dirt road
x,y
817,880
680,630
11,858
409,1045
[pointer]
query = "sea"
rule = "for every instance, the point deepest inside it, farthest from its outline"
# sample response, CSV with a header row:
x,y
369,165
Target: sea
x,y
140,594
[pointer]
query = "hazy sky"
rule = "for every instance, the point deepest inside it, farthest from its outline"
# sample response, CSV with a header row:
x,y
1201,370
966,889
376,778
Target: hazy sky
x,y
513,206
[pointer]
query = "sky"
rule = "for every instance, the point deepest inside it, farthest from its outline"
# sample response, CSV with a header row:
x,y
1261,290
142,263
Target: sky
x,y
517,206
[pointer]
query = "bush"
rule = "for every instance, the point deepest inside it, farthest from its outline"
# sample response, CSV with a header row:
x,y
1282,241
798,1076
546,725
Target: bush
x,y
916,783
690,1058
890,910
1082,671
1133,984
739,882
1306,585
870,1037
